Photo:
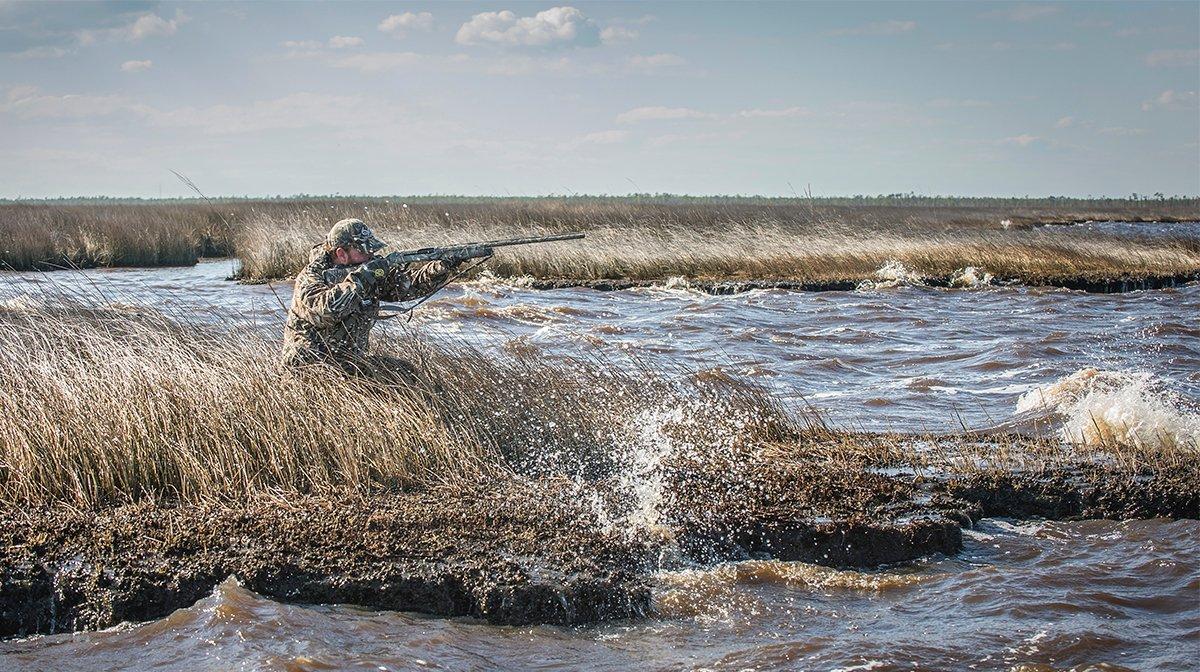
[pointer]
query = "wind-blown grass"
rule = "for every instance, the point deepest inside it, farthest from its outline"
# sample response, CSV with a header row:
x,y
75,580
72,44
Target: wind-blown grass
x,y
761,246
116,404
110,405
641,239
48,237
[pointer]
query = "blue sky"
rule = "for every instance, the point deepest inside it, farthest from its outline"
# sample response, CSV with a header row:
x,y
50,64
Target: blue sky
x,y
537,98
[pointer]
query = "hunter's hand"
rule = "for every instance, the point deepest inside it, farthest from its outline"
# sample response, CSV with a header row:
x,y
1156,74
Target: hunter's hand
x,y
369,275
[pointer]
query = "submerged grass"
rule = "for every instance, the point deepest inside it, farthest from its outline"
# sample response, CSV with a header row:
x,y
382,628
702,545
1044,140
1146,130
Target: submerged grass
x,y
640,239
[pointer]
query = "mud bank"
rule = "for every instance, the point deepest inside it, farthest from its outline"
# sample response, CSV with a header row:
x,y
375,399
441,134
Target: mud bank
x,y
504,553
1107,285
522,551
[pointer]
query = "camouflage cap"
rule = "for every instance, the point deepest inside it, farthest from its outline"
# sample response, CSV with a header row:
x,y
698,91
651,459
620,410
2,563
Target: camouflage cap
x,y
353,232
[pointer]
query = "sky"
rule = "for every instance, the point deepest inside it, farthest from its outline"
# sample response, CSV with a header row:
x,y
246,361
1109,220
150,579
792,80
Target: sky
x,y
533,98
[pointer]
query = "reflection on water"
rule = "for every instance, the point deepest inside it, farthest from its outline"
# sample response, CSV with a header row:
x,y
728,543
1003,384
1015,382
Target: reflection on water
x,y
906,358
1060,595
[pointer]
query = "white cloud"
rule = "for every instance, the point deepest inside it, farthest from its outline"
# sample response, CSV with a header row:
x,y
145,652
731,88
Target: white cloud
x,y
345,42
518,66
612,137
639,114
892,27
618,34
1024,13
40,52
773,114
136,66
1173,57
557,26
640,21
693,138
306,45
655,62
398,25
1122,131
1065,122
1171,100
949,103
29,103
1023,140
605,137
146,25
294,111
379,61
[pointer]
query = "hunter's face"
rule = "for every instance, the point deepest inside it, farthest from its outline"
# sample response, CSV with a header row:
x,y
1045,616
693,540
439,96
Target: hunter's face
x,y
347,256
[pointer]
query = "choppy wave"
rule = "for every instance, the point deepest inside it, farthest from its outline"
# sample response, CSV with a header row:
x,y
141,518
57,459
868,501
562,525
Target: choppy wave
x,y
970,278
892,274
716,592
486,279
1098,406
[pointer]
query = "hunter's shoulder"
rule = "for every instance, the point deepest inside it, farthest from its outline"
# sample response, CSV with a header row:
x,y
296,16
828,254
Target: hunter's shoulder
x,y
320,270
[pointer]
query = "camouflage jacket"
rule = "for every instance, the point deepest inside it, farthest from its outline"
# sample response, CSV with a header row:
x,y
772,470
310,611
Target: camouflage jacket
x,y
330,317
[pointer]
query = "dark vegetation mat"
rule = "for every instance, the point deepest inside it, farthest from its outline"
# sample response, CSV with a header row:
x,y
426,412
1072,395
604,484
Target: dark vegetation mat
x,y
521,551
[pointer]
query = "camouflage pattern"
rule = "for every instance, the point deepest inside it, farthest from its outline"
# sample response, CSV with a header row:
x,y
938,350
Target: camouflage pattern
x,y
353,232
331,316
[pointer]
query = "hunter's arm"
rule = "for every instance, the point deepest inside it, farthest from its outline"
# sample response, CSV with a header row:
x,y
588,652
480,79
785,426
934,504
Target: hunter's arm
x,y
323,304
414,284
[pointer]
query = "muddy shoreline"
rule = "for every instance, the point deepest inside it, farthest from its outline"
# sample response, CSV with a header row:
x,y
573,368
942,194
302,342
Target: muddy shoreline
x,y
726,287
520,551
1107,285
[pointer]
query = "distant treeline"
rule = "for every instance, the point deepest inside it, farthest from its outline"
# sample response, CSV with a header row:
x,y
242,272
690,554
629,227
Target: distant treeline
x,y
893,200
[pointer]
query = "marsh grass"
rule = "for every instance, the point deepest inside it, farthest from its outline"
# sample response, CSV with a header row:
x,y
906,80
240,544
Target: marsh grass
x,y
116,404
643,239
657,243
48,237
119,404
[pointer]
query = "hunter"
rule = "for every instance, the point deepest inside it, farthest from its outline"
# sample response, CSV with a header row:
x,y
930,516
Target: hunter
x,y
336,302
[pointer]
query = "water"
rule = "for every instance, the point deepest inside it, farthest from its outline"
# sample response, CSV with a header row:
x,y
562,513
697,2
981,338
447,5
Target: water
x,y
1139,229
1058,595
907,358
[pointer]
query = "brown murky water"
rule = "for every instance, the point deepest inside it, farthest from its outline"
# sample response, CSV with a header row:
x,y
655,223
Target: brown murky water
x,y
1036,596
904,357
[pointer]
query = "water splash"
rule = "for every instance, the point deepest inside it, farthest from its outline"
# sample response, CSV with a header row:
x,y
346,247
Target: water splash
x,y
1099,406
892,274
650,442
970,278
488,280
